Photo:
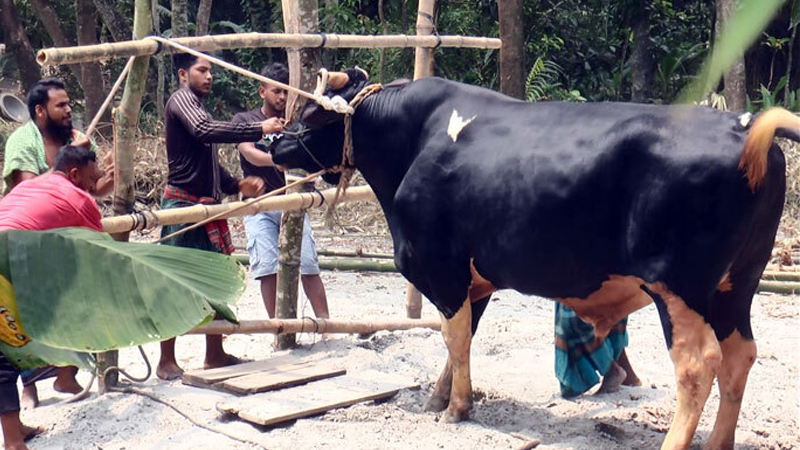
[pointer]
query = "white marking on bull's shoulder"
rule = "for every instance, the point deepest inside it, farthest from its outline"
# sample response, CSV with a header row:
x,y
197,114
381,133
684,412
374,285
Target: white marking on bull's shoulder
x,y
457,123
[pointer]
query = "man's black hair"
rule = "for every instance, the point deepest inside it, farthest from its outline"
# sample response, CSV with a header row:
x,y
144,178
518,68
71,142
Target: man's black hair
x,y
276,71
70,156
183,61
39,93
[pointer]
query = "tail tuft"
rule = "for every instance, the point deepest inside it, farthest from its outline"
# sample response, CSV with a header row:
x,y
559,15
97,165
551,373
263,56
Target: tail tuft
x,y
754,157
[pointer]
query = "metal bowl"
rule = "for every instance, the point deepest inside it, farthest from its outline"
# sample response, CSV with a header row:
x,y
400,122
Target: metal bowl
x,y
12,108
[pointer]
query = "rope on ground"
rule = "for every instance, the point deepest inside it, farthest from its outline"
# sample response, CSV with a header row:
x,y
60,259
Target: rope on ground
x,y
153,397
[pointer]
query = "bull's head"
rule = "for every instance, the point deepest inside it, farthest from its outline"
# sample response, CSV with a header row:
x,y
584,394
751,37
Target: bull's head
x,y
316,141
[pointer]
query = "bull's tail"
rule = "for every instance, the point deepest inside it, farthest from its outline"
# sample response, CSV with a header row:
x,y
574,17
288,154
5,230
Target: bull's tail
x,y
759,141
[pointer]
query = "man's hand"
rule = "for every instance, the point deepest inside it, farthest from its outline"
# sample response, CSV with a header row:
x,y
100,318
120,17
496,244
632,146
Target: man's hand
x,y
272,125
105,184
251,186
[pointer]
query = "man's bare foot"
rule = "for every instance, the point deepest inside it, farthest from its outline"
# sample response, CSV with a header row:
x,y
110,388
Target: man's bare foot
x,y
67,384
612,379
631,379
30,397
29,433
168,371
222,360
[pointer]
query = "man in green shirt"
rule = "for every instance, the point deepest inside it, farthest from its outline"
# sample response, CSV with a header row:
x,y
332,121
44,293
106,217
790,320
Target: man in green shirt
x,y
30,152
30,149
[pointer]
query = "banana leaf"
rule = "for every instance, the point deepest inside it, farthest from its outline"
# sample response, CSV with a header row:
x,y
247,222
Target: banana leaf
x,y
80,290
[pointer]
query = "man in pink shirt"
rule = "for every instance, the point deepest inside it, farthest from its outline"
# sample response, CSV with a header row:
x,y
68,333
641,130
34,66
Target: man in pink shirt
x,y
53,200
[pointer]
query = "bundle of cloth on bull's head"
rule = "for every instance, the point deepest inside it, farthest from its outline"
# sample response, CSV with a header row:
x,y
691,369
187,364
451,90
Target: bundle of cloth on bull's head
x,y
607,207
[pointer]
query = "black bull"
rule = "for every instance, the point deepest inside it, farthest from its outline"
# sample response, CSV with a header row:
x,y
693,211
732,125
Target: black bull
x,y
605,207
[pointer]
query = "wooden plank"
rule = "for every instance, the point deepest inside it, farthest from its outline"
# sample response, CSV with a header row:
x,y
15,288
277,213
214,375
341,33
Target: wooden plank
x,y
278,378
271,408
209,377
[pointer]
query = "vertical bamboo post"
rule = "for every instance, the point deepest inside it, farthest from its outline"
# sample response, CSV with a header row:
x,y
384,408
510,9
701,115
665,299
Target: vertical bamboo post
x,y
423,67
126,119
299,16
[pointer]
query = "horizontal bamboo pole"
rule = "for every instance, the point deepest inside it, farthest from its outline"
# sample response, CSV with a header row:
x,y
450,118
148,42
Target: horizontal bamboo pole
x,y
354,254
210,43
326,263
196,213
781,276
779,287
308,325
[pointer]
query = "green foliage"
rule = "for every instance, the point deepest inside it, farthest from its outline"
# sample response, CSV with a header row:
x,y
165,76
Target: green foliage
x,y
542,83
744,27
80,290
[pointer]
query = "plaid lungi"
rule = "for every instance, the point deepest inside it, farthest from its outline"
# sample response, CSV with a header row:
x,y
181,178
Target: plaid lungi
x,y
580,355
214,237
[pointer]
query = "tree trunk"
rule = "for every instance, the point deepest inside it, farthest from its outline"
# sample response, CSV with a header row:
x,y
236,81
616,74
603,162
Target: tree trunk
x,y
180,28
180,19
126,118
512,53
92,79
385,27
641,57
789,62
423,57
160,67
203,17
47,14
17,44
735,90
299,16
114,21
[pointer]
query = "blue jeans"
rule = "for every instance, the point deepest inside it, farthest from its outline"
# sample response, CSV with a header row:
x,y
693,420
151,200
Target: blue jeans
x,y
262,244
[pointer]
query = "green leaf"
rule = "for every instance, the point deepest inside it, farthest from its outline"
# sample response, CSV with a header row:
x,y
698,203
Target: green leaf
x,y
80,290
35,354
743,28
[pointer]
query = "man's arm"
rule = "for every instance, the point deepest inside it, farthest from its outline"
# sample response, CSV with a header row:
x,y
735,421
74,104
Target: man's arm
x,y
18,176
201,127
255,156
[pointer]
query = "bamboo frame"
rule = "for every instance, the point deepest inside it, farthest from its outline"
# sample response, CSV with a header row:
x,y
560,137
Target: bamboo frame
x,y
88,53
197,213
309,325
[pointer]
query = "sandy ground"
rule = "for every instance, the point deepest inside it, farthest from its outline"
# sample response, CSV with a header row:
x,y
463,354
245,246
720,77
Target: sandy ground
x,y
512,369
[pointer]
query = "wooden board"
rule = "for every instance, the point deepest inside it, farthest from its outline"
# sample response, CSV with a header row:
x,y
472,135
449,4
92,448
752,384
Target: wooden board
x,y
209,377
279,377
271,408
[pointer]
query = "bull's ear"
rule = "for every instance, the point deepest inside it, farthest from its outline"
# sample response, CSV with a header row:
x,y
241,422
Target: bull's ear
x,y
337,80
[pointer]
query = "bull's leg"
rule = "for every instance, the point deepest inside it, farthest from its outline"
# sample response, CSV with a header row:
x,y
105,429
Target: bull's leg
x,y
458,337
738,356
696,355
730,317
441,393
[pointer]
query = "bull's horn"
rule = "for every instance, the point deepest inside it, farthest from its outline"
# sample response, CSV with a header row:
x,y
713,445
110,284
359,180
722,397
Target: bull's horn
x,y
366,75
337,80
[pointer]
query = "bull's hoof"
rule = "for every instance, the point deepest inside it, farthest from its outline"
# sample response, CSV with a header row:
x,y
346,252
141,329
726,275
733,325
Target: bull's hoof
x,y
436,404
452,415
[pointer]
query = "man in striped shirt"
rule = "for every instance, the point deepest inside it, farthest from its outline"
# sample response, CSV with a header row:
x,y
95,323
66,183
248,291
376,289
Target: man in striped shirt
x,y
195,176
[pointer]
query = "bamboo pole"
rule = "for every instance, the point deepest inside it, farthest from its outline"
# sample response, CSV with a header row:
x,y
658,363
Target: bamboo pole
x,y
780,276
126,120
299,16
196,213
80,54
354,254
309,325
423,67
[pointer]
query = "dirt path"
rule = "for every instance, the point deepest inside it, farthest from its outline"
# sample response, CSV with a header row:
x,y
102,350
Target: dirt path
x,y
512,375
